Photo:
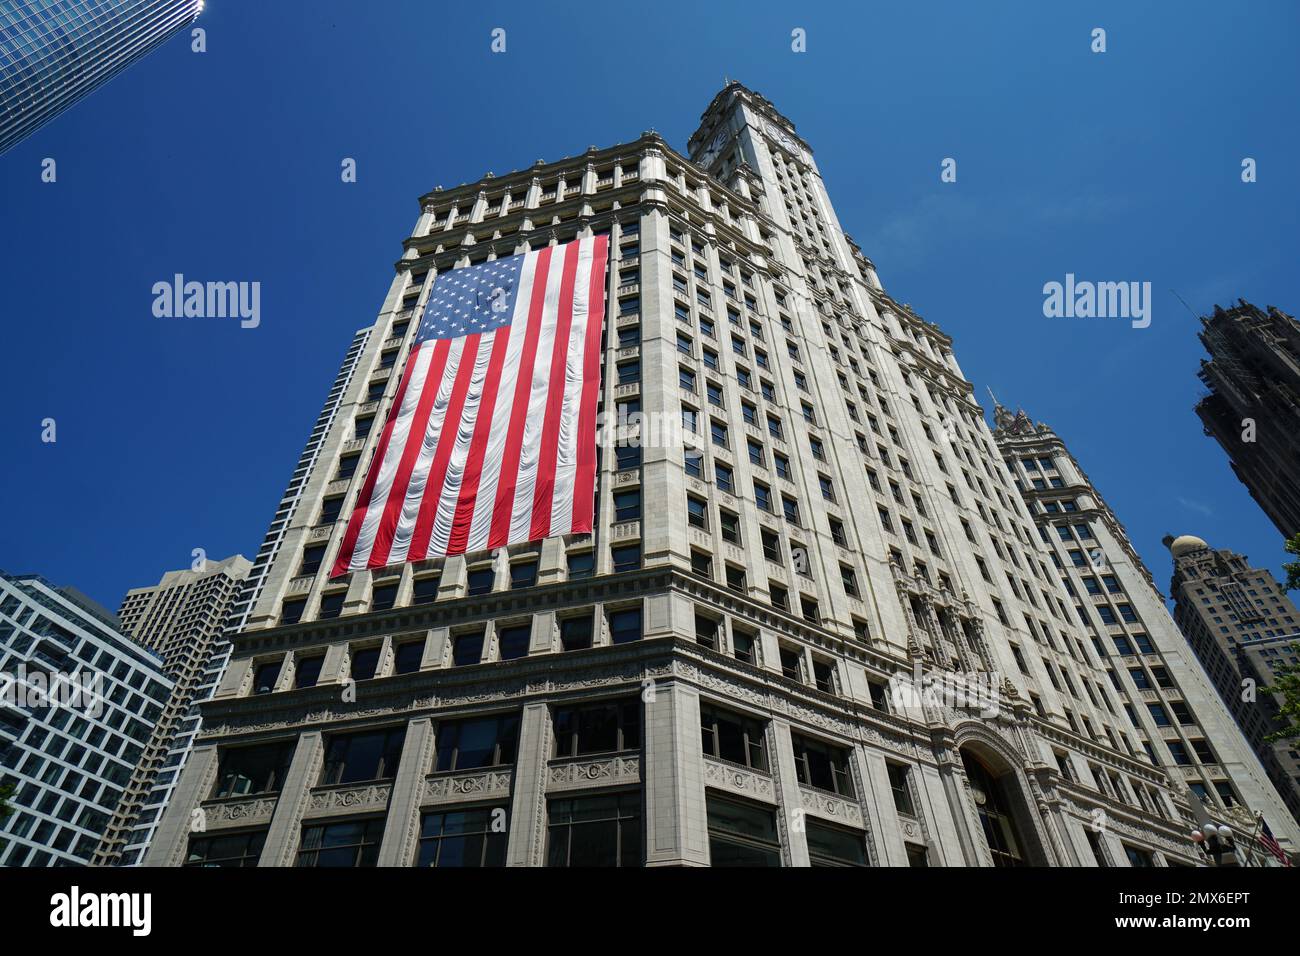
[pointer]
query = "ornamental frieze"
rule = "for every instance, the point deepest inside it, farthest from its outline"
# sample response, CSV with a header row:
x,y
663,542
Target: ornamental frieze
x,y
366,797
585,773
740,780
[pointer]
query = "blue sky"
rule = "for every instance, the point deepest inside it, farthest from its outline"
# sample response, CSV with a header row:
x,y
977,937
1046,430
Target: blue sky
x,y
175,434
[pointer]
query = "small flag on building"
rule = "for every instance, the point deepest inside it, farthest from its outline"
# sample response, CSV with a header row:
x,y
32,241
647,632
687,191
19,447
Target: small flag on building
x,y
1269,842
491,437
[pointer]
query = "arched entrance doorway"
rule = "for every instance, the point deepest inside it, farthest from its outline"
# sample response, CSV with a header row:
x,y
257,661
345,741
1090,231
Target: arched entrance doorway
x,y
1001,812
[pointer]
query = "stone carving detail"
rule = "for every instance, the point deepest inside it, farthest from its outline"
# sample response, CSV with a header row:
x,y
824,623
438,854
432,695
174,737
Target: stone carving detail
x,y
737,779
255,810
366,797
586,772
824,804
491,782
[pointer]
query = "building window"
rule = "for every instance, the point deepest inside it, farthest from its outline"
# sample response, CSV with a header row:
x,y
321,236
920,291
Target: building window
x,y
407,656
824,675
627,505
477,742
369,755
331,605
246,771
898,783
744,646
364,662
835,846
625,625
461,838
226,850
265,677
307,671
582,565
312,556
512,642
425,590
350,843
523,574
697,513
330,509
917,855
823,766
467,648
575,633
594,831
741,834
598,728
481,580
733,737
626,557
383,596
1138,856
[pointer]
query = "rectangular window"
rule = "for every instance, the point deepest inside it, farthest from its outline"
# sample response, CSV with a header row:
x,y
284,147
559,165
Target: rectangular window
x,y
821,765
350,843
226,850
741,834
898,783
512,642
835,846
461,838
575,633
369,755
733,737
598,728
467,649
245,771
625,625
407,656
477,742
523,574
594,831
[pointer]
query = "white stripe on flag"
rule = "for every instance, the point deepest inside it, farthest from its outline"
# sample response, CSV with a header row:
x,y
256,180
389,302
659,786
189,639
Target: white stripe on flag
x,y
521,515
494,453
446,510
566,451
392,457
429,444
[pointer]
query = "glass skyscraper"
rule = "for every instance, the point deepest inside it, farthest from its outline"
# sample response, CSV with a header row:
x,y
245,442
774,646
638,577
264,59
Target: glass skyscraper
x,y
54,52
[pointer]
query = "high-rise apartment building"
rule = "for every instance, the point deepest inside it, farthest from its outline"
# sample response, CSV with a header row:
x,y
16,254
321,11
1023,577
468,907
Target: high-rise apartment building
x,y
54,52
1182,724
802,524
182,618
1241,624
1253,406
78,702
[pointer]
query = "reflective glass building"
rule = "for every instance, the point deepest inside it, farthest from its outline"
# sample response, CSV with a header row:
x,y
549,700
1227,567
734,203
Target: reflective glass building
x,y
54,52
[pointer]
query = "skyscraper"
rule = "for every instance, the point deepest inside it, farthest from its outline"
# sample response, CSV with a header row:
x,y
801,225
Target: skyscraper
x,y
1241,624
792,637
1253,406
78,702
181,618
54,52
1181,721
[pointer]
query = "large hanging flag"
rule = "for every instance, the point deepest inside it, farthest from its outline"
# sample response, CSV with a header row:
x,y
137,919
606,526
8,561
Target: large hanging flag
x,y
491,438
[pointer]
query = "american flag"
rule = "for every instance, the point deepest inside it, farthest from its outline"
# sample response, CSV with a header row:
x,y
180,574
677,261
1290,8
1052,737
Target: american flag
x,y
1269,842
491,437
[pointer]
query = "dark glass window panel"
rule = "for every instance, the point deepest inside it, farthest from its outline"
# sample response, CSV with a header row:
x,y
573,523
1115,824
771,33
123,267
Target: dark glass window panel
x,y
407,658
477,742
364,663
307,672
512,642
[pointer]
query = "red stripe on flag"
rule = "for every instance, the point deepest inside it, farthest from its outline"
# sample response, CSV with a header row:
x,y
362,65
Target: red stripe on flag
x,y
350,536
460,526
584,482
387,529
544,486
505,498
442,455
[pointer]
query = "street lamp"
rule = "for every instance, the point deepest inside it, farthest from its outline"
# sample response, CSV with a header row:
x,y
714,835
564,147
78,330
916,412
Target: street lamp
x,y
1215,841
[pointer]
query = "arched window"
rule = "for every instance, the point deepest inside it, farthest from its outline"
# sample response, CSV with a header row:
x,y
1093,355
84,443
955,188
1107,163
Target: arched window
x,y
996,808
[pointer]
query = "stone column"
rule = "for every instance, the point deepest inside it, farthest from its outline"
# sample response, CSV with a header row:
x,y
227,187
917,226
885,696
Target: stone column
x,y
527,842
402,827
282,840
788,796
172,836
676,818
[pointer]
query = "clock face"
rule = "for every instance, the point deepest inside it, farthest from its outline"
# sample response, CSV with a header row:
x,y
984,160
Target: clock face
x,y
715,147
784,139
